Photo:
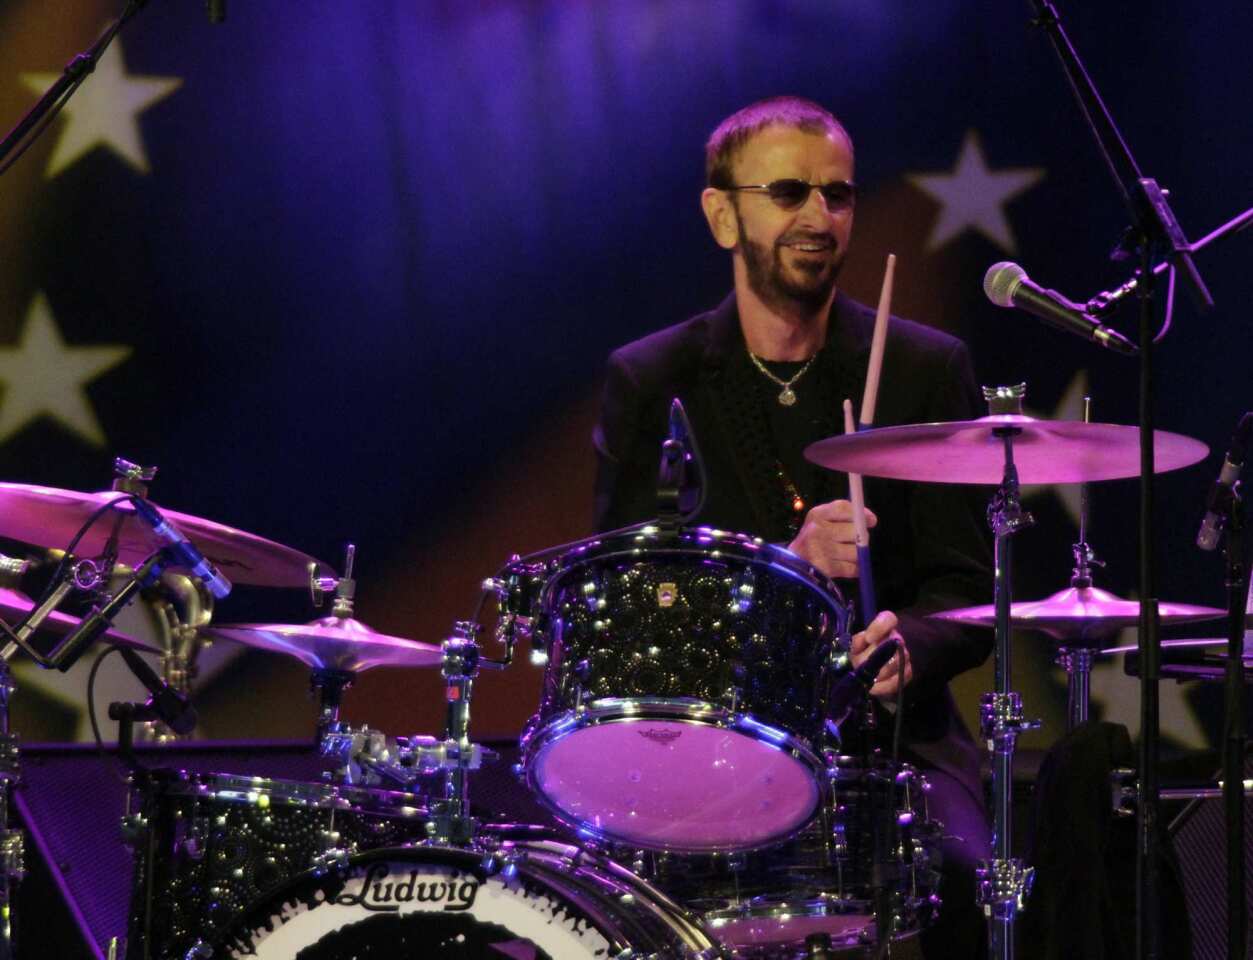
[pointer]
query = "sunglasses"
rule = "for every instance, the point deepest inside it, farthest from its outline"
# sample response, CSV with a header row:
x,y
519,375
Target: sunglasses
x,y
790,194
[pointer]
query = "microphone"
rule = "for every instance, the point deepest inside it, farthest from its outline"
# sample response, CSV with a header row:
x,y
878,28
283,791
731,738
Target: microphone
x,y
183,551
168,704
1007,285
853,687
1225,486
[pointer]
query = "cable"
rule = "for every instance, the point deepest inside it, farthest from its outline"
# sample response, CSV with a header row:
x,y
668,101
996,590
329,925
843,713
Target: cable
x,y
1170,305
69,551
91,703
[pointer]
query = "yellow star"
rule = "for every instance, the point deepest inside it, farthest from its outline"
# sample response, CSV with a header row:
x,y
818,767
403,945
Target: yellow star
x,y
973,196
104,111
44,377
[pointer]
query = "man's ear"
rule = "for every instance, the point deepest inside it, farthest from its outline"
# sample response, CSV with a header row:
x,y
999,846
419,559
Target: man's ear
x,y
721,216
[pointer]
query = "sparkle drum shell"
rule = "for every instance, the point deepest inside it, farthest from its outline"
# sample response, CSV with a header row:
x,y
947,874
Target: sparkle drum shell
x,y
539,901
685,679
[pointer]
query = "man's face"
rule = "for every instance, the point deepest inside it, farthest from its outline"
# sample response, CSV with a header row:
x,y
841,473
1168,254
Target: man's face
x,y
792,257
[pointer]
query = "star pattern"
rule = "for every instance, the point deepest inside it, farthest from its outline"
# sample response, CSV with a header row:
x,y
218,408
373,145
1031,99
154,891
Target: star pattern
x,y
104,111
43,376
973,196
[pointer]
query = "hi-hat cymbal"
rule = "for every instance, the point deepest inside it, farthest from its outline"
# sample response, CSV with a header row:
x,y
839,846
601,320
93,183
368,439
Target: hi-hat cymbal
x,y
969,451
332,643
50,517
15,606
1079,614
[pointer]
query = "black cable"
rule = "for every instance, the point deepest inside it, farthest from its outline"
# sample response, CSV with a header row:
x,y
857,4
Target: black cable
x,y
69,551
91,703
84,64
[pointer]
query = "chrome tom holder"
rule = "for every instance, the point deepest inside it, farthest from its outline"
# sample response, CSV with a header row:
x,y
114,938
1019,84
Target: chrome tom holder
x,y
371,758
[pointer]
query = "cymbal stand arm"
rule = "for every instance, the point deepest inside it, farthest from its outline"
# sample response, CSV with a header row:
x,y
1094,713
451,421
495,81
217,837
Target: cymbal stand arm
x,y
1003,882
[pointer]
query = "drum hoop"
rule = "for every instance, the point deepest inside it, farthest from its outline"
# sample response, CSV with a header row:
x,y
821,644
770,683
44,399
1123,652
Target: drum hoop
x,y
681,710
656,541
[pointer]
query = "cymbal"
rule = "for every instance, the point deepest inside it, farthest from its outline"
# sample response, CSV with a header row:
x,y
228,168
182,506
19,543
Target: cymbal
x,y
15,606
331,643
1078,613
967,451
49,517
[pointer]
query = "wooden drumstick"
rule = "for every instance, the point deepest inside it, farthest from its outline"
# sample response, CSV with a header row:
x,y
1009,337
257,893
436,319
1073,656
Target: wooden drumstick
x,y
871,393
861,532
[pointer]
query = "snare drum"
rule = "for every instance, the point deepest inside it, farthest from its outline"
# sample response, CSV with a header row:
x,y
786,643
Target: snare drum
x,y
685,678
766,903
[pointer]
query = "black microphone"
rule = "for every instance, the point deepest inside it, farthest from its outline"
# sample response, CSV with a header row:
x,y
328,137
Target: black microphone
x,y
168,704
1007,285
1225,486
852,688
183,552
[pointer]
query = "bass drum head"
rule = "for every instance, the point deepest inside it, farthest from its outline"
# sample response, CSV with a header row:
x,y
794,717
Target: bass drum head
x,y
526,901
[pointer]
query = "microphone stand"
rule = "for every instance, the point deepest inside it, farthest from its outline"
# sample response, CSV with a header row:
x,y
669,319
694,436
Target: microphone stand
x,y
1153,223
1235,737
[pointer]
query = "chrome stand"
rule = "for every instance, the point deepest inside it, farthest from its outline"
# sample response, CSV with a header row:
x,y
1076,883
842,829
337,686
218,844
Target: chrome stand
x,y
1003,881
12,844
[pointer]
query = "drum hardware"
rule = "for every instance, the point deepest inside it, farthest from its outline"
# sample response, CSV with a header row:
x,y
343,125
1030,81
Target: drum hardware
x,y
1004,881
12,842
1125,790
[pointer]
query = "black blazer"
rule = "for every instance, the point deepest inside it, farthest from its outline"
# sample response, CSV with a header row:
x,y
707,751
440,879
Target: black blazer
x,y
930,549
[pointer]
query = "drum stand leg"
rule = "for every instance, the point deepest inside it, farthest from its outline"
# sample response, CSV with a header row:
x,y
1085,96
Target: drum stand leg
x,y
12,845
1003,881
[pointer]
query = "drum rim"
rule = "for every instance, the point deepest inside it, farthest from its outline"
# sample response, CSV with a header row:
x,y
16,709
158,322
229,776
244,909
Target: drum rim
x,y
671,709
245,789
652,539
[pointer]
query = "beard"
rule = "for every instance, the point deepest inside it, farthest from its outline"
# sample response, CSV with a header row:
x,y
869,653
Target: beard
x,y
807,287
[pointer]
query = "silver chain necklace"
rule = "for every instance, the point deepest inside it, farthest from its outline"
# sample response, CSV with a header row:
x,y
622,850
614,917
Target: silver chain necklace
x,y
787,396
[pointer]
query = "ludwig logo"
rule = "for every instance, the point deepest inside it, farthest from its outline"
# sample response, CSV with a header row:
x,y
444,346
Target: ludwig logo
x,y
380,894
662,735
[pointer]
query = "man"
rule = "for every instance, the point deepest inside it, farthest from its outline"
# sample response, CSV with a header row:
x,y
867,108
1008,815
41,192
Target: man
x,y
762,376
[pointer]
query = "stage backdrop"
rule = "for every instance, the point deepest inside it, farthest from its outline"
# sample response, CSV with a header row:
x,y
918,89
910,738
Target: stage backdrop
x,y
349,272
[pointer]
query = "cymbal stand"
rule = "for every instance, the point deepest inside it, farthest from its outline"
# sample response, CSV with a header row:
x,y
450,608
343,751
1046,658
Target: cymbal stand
x,y
12,844
1004,881
1077,658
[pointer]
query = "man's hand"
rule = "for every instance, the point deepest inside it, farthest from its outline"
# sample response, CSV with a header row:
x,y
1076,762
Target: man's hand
x,y
888,682
827,539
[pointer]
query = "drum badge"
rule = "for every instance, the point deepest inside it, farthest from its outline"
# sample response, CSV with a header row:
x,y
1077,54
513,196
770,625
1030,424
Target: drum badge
x,y
662,735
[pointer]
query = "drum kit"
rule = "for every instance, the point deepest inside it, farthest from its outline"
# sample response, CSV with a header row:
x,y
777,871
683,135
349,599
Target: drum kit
x,y
689,741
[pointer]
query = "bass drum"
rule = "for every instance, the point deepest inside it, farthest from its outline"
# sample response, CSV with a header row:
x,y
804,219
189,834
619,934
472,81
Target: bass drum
x,y
529,901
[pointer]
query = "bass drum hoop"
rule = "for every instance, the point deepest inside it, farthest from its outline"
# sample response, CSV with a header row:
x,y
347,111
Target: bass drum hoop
x,y
613,710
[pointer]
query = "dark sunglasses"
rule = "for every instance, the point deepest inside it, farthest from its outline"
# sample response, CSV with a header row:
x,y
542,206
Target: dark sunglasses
x,y
791,193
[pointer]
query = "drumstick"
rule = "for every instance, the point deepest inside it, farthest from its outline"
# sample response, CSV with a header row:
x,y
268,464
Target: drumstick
x,y
876,346
861,533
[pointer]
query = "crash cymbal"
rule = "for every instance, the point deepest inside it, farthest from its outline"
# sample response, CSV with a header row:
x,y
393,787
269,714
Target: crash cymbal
x,y
332,643
15,606
1078,613
968,451
49,517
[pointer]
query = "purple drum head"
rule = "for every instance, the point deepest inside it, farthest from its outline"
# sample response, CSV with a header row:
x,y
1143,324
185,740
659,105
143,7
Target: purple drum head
x,y
675,784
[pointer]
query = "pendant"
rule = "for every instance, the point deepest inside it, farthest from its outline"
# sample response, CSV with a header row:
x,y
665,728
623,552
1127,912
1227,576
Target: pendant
x,y
787,397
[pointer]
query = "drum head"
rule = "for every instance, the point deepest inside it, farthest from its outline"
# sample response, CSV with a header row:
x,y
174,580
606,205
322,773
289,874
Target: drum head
x,y
541,901
678,785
